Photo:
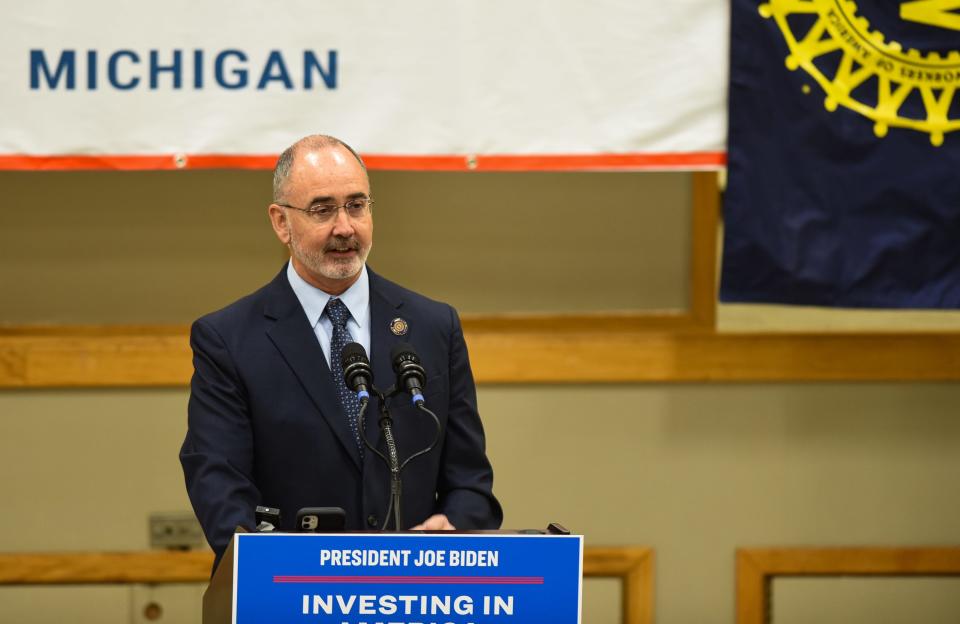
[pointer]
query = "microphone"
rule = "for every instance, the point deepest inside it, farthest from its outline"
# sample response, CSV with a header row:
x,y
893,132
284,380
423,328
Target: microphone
x,y
410,374
356,369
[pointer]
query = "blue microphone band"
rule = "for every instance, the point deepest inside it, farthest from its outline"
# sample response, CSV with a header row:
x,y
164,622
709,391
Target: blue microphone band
x,y
418,398
363,394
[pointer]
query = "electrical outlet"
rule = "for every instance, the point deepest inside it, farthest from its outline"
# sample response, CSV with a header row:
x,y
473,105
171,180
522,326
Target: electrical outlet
x,y
175,531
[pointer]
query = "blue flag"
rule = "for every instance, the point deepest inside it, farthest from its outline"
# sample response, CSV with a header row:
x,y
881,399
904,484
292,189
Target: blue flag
x,y
844,154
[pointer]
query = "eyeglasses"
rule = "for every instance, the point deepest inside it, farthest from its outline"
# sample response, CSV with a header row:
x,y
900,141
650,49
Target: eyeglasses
x,y
324,213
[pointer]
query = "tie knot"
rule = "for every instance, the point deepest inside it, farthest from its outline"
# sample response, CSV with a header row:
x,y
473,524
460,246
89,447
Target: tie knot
x,y
337,312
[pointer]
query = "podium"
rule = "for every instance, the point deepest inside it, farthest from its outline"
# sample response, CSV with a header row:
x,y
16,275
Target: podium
x,y
443,577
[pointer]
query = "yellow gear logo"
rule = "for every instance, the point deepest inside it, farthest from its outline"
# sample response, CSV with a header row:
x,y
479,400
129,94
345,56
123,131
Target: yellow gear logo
x,y
868,54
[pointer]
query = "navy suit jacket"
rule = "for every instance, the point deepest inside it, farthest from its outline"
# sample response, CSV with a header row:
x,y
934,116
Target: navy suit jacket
x,y
265,426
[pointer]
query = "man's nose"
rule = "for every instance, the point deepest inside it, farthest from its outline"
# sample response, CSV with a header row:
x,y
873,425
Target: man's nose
x,y
342,223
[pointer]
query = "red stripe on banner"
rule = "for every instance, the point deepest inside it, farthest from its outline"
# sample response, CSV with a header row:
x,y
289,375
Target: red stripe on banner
x,y
550,162
136,163
417,163
603,162
528,162
414,580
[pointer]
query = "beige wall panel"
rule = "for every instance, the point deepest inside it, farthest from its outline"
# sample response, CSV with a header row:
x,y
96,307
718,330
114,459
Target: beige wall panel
x,y
771,318
180,603
601,601
696,471
108,604
536,242
84,469
692,470
166,247
131,247
842,600
104,604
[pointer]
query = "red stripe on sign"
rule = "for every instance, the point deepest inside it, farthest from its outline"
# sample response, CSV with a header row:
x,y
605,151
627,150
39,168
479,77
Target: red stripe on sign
x,y
493,162
414,580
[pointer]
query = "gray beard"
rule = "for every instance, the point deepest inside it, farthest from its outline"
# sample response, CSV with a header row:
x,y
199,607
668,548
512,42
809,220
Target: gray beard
x,y
330,268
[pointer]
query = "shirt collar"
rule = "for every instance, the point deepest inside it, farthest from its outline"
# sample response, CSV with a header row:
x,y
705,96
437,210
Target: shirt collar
x,y
314,301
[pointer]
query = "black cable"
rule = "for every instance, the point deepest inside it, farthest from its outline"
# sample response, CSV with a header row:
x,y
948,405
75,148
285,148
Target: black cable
x,y
436,437
363,428
395,487
392,461
393,464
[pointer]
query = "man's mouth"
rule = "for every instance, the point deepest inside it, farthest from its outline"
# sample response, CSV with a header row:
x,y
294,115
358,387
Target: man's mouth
x,y
341,251
343,248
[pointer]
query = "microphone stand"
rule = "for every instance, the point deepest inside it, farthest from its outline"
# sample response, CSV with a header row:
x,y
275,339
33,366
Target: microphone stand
x,y
392,458
396,486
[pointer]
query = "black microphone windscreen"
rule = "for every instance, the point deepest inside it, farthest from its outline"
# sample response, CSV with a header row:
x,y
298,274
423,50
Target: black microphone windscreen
x,y
403,350
353,352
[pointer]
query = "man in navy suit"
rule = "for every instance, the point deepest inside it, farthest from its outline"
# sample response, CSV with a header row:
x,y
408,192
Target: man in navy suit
x,y
267,424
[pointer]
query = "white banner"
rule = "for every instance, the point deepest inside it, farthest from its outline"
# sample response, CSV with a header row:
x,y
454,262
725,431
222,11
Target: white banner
x,y
642,80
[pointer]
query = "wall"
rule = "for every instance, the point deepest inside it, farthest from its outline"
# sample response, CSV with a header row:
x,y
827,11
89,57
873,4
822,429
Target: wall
x,y
692,470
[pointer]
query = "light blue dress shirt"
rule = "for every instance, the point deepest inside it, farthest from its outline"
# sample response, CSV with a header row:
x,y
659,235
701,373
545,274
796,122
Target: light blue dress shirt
x,y
313,301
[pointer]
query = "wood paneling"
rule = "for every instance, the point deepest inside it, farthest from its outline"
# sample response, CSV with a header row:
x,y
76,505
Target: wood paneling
x,y
632,565
621,347
95,357
705,357
701,312
84,357
756,568
127,567
703,256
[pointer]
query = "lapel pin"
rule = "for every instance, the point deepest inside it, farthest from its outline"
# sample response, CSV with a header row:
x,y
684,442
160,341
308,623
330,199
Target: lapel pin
x,y
399,326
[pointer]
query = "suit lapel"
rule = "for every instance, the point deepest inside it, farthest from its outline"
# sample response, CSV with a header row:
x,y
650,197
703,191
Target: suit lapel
x,y
293,337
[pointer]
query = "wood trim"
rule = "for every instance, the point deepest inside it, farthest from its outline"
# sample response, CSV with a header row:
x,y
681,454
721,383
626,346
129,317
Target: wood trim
x,y
856,561
95,357
626,347
756,568
157,356
703,252
125,567
84,357
652,320
632,565
753,590
702,291
663,357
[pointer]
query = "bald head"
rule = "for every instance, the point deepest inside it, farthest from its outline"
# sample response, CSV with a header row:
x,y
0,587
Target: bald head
x,y
281,173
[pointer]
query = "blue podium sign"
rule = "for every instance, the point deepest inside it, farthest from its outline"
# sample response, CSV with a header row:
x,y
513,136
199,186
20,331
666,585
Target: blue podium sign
x,y
407,578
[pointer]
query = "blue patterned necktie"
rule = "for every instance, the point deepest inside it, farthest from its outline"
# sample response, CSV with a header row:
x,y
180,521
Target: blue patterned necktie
x,y
338,314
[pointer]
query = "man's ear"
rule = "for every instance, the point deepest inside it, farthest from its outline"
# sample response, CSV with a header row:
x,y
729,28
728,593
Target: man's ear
x,y
278,220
